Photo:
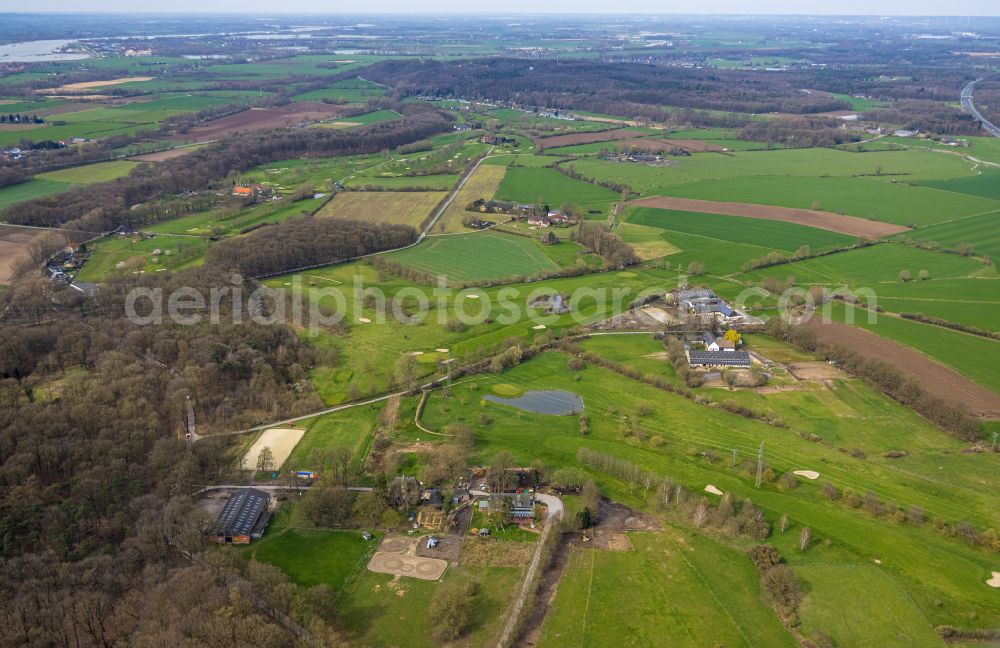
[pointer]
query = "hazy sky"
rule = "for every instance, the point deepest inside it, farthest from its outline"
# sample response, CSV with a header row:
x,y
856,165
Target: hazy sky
x,y
841,7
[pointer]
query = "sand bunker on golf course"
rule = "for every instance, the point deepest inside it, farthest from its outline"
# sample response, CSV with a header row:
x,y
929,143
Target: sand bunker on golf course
x,y
712,489
995,580
808,474
281,441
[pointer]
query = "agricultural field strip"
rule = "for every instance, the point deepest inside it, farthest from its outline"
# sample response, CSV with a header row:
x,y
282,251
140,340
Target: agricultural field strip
x,y
850,225
842,477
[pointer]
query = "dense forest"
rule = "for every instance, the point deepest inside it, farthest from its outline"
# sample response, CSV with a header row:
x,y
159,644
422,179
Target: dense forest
x,y
307,241
105,206
96,525
622,89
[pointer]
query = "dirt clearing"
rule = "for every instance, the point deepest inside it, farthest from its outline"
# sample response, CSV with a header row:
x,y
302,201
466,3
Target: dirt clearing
x,y
850,225
13,247
169,154
281,441
937,379
394,207
816,371
263,118
87,85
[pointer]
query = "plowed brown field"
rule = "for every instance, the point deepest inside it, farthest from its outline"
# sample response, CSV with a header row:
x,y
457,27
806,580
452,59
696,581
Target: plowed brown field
x,y
262,118
935,378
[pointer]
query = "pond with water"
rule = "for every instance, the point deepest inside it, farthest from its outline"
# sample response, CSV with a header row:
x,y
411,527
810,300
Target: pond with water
x,y
555,402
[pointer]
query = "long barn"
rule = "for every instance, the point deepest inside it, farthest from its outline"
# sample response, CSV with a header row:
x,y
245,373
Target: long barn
x,y
243,518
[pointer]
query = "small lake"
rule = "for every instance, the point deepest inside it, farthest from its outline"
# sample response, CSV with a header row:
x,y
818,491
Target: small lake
x,y
38,51
555,402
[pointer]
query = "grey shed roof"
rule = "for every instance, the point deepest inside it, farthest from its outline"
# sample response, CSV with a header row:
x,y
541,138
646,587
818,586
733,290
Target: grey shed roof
x,y
241,512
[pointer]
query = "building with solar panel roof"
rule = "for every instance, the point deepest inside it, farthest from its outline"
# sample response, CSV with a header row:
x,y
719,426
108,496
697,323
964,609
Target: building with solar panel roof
x,y
243,518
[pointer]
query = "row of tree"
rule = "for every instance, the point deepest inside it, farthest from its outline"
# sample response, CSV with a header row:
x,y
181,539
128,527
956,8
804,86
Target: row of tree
x,y
304,242
105,206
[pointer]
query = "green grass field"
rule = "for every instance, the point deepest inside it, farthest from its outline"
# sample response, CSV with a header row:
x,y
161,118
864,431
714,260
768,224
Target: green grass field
x,y
476,256
860,605
90,173
986,185
535,185
873,265
677,590
968,301
351,429
138,255
864,197
983,232
315,557
972,356
29,191
777,235
943,576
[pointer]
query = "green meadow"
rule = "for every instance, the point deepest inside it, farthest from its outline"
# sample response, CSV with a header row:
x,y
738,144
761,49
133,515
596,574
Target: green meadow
x,y
29,191
678,590
875,264
777,235
90,173
534,185
476,256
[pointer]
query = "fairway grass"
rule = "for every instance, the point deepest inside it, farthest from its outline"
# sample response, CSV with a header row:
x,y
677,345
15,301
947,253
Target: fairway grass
x,y
672,590
860,605
476,256
391,207
943,575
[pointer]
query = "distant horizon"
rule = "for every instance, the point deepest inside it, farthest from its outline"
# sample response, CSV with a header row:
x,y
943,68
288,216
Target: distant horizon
x,y
961,9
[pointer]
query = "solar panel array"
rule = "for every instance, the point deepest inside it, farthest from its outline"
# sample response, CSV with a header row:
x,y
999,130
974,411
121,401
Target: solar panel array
x,y
240,513
721,358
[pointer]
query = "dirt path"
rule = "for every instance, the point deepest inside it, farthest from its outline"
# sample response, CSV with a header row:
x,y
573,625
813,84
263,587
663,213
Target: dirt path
x,y
850,225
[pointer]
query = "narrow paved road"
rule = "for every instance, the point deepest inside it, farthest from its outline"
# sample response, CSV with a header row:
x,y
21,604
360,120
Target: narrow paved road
x,y
970,107
555,514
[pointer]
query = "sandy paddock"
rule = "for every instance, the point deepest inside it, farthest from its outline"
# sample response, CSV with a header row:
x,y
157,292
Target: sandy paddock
x,y
397,544
281,441
818,370
399,564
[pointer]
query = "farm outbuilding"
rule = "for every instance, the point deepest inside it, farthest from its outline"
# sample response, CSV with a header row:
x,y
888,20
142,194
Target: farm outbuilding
x,y
243,518
718,358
